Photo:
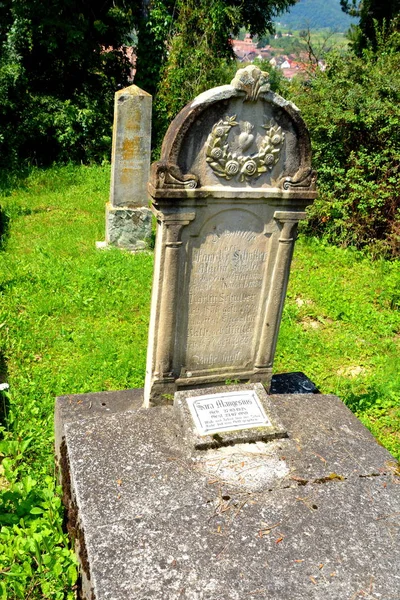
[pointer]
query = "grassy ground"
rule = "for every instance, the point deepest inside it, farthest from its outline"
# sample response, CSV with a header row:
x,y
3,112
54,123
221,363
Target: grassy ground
x,y
73,319
341,326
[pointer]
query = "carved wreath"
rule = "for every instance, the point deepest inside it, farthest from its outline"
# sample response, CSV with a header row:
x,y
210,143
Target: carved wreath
x,y
228,164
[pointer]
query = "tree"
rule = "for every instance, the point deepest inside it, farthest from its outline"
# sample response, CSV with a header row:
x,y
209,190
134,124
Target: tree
x,y
208,22
263,41
60,64
62,60
316,49
199,47
373,14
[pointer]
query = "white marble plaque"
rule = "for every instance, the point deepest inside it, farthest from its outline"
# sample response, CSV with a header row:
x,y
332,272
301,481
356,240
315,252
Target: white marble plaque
x,y
213,413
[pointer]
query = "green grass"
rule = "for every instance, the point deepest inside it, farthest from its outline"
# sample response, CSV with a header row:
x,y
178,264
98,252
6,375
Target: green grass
x,y
74,319
321,40
341,326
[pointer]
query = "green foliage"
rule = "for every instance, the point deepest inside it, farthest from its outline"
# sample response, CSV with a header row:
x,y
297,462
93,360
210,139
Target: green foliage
x,y
373,16
353,113
263,40
59,68
189,71
154,27
60,65
35,560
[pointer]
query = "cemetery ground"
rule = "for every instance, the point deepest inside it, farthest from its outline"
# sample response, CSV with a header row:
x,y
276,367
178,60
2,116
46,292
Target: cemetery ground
x,y
74,319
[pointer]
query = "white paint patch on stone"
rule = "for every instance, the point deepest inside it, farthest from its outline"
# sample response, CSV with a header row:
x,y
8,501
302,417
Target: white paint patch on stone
x,y
251,466
101,245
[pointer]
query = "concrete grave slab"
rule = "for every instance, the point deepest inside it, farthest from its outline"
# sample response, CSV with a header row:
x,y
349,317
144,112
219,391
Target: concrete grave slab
x,y
313,516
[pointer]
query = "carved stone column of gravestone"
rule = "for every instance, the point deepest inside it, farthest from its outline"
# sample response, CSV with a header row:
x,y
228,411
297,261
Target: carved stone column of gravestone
x,y
128,218
233,181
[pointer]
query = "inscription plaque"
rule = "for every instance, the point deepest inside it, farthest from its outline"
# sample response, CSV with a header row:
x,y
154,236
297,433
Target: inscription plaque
x,y
214,413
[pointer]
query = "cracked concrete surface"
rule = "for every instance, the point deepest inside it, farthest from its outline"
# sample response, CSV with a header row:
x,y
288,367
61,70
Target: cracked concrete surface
x,y
318,517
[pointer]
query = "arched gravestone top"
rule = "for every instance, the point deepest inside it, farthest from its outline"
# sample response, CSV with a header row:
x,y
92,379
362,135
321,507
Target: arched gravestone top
x,y
236,139
232,183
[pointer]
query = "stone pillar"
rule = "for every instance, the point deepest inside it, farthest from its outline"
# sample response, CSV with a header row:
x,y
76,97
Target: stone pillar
x,y
278,285
165,347
159,372
128,218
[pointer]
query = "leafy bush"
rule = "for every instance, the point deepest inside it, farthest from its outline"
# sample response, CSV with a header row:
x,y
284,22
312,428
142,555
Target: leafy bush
x,y
35,560
353,113
59,70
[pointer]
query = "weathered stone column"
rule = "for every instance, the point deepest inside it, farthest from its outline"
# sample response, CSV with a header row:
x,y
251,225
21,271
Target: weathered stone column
x,y
166,283
128,218
278,285
168,300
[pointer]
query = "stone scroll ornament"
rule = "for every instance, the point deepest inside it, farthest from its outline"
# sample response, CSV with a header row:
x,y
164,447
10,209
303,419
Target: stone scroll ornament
x,y
228,164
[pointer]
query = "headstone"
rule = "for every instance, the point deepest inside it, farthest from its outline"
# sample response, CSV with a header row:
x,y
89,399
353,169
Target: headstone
x,y
231,186
128,218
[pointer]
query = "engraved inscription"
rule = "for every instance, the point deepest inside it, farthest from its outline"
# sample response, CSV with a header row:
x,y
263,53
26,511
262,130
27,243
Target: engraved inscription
x,y
231,411
225,282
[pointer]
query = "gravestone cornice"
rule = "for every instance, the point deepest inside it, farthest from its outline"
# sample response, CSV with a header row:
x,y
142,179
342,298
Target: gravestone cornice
x,y
233,141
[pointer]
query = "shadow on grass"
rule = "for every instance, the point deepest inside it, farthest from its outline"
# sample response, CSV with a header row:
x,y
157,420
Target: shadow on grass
x,y
4,227
361,402
4,402
12,179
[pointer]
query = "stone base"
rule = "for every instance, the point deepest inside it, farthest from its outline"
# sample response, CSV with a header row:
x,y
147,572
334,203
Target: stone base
x,y
160,392
128,228
315,516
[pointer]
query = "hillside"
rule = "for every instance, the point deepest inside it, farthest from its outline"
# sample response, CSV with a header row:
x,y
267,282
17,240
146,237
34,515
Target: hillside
x,y
316,14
